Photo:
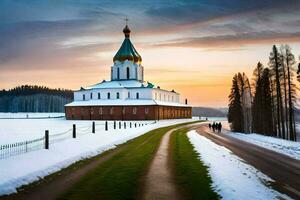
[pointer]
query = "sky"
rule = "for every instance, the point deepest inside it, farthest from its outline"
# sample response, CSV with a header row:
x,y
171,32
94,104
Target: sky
x,y
193,47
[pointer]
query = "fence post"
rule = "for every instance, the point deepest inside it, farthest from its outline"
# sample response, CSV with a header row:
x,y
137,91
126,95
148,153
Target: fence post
x,y
93,127
115,124
74,130
124,125
119,125
46,139
106,125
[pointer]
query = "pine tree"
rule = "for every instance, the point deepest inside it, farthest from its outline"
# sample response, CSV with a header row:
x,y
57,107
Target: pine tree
x,y
235,112
257,100
290,61
275,65
284,86
266,109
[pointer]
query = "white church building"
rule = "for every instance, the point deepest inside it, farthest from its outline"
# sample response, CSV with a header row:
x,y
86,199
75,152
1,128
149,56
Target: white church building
x,y
126,96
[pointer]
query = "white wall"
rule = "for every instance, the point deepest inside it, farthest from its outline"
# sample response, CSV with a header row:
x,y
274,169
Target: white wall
x,y
135,70
163,95
144,93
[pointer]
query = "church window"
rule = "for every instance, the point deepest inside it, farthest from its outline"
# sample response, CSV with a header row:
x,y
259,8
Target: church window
x,y
127,73
92,111
100,111
111,110
99,96
155,96
134,110
91,96
118,95
83,97
124,110
128,95
108,95
146,110
137,95
118,73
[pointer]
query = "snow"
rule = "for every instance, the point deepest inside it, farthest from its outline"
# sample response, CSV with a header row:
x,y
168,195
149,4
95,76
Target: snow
x,y
26,168
125,102
232,177
286,147
118,84
29,115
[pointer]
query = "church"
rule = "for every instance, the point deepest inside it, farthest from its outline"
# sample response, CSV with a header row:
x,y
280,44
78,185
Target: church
x,y
126,96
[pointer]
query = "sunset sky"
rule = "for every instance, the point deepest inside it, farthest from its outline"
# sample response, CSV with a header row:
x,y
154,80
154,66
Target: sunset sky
x,y
194,47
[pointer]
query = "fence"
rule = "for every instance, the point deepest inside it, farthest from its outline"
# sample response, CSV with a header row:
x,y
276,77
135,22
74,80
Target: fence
x,y
17,148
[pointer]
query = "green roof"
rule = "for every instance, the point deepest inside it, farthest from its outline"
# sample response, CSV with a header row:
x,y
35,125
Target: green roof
x,y
127,52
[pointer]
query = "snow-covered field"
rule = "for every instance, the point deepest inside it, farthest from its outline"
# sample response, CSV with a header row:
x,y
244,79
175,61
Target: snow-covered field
x,y
30,115
232,177
286,147
31,166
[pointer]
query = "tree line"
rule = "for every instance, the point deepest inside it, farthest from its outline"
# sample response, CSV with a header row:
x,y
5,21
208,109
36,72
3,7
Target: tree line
x,y
33,98
267,106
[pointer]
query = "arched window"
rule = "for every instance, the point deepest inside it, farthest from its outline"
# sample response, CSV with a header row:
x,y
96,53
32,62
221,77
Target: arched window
x,y
118,73
108,95
137,95
118,95
128,95
99,96
91,96
111,110
134,110
83,97
127,73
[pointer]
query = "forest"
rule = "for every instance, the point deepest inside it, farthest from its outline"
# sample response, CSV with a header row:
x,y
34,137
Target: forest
x,y
33,98
267,105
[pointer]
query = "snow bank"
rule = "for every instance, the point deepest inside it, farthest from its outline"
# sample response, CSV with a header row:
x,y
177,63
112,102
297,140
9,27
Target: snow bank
x,y
23,169
232,177
286,147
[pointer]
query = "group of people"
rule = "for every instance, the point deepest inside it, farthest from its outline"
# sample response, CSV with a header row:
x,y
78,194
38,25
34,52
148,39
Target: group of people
x,y
215,126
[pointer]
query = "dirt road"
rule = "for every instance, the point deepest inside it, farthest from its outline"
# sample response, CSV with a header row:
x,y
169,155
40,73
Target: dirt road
x,y
281,168
159,183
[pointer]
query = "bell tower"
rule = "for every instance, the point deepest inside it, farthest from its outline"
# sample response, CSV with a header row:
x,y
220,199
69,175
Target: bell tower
x,y
127,61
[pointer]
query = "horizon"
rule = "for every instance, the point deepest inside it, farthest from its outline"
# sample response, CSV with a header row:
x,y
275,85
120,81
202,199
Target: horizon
x,y
69,45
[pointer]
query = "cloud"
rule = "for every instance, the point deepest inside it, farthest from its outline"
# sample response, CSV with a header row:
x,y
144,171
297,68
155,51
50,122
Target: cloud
x,y
233,40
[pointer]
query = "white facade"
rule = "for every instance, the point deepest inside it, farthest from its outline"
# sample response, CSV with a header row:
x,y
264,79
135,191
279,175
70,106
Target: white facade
x,y
111,92
127,70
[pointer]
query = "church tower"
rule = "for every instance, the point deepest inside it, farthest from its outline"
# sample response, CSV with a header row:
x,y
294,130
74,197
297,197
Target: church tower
x,y
127,61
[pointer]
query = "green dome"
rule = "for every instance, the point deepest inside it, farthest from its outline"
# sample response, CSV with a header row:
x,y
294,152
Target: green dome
x,y
127,50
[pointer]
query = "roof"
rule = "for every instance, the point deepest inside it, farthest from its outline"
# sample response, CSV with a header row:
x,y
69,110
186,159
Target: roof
x,y
118,84
124,102
123,84
127,50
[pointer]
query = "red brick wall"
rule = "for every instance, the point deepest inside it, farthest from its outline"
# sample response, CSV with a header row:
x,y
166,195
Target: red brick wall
x,y
127,112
